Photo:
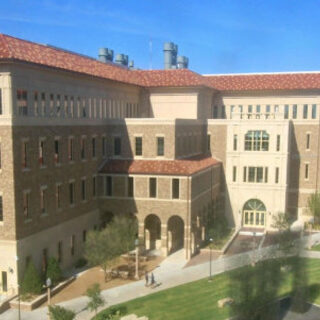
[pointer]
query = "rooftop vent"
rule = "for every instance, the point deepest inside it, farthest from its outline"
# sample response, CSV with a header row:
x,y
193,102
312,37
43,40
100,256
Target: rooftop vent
x,y
171,61
122,59
182,62
105,55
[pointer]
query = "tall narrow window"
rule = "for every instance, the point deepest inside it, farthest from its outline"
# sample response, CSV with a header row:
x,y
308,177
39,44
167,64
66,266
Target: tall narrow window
x,y
26,204
93,145
268,108
41,152
108,186
24,154
104,149
130,187
286,111
36,103
58,105
175,188
235,142
266,174
215,112
278,142
43,200
58,196
314,111
56,151
1,209
138,146
22,101
249,108
305,111
294,111
208,142
231,111
223,112
43,104
244,174
277,175
60,255
83,148
153,187
117,146
94,186
306,171
4,281
83,189
308,141
1,102
71,149
160,146
71,193
258,108
234,174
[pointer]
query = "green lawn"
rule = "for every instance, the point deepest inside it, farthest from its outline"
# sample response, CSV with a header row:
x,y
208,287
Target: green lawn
x,y
315,248
198,300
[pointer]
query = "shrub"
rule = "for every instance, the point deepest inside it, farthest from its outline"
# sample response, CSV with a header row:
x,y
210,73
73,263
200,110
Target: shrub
x,y
94,294
60,313
54,271
81,262
31,283
113,313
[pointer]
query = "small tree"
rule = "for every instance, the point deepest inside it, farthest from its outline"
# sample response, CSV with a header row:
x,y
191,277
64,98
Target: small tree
x,y
31,283
314,205
60,313
95,299
54,271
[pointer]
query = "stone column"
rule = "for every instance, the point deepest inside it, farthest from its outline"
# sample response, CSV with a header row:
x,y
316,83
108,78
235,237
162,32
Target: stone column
x,y
187,241
164,240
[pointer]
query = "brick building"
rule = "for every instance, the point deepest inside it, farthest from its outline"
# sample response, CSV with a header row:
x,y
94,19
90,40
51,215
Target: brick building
x,y
81,140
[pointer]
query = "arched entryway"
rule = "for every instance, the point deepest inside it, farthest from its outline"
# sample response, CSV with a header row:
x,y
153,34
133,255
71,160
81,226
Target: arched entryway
x,y
175,234
152,230
254,213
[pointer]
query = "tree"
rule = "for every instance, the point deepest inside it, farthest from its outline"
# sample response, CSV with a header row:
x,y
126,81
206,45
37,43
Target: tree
x,y
314,205
103,248
31,283
95,299
54,271
60,313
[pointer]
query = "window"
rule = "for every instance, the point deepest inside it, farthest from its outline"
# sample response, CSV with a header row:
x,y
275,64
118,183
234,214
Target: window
x,y
108,190
235,142
104,150
43,103
231,111
255,174
286,111
41,152
276,108
72,244
277,175
160,146
83,148
84,111
278,142
4,281
43,200
94,186
24,154
58,105
117,146
1,209
138,146
234,174
153,187
208,142
240,109
26,204
83,189
71,193
0,101
130,187
93,145
305,111
215,112
313,111
268,108
175,188
294,111
58,196
65,105
256,141
60,251
258,108
71,149
249,108
308,141
306,171
56,151
22,102
223,112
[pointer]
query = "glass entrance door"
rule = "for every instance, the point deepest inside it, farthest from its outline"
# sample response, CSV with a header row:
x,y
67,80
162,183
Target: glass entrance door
x,y
254,214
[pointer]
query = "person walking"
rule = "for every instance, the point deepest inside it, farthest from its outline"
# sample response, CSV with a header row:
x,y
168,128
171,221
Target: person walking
x,y
146,276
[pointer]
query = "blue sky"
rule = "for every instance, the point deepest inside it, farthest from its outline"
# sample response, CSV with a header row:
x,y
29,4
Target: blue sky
x,y
218,36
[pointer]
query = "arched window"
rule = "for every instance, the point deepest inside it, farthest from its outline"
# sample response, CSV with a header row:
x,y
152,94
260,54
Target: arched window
x,y
255,205
256,141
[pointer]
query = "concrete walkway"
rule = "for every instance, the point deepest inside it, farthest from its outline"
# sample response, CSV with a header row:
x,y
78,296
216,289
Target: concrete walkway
x,y
168,277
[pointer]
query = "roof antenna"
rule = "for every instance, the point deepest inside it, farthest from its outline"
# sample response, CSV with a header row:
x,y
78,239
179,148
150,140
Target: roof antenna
x,y
150,53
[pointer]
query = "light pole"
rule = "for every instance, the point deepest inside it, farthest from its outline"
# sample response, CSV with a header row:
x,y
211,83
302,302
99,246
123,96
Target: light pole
x,y
136,242
18,285
210,271
48,286
254,250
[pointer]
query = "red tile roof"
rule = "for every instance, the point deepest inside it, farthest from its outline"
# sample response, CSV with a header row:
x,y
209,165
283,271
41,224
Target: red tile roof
x,y
159,167
21,50
280,81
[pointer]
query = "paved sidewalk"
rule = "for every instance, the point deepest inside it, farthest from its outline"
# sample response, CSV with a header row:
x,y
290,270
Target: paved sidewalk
x,y
166,278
